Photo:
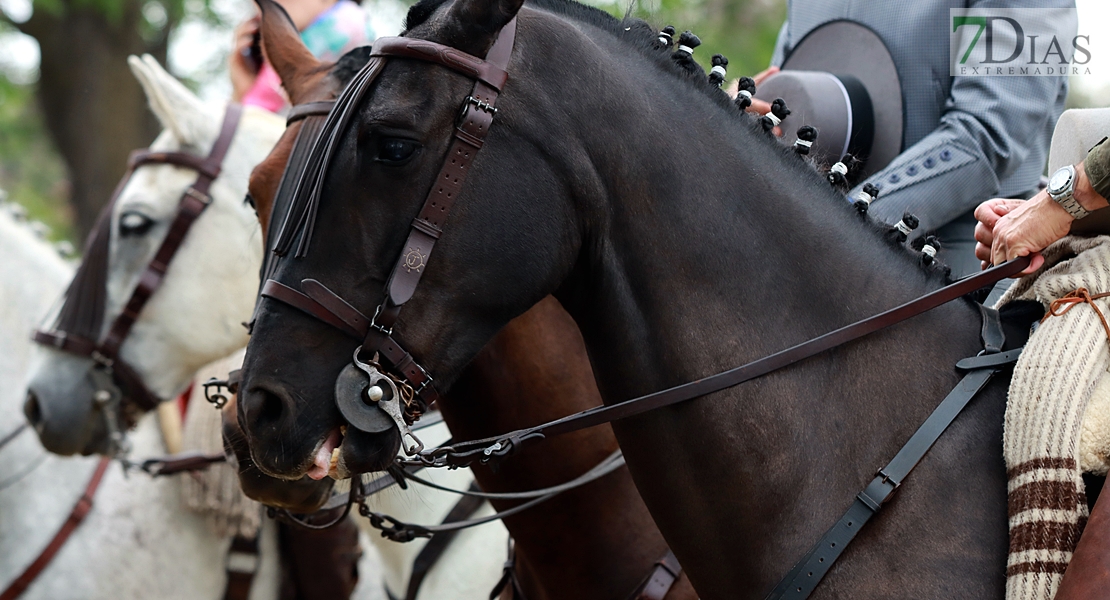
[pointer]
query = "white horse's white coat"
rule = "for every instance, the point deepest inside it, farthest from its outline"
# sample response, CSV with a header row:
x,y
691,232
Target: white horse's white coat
x,y
209,290
137,542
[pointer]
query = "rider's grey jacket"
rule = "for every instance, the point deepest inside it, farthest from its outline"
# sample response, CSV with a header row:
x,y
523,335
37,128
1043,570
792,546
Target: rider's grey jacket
x,y
967,138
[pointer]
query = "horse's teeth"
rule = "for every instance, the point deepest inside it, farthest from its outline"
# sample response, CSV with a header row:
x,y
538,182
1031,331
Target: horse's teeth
x,y
334,459
343,430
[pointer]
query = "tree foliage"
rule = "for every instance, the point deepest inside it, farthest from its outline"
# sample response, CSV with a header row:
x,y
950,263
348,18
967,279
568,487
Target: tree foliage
x,y
62,153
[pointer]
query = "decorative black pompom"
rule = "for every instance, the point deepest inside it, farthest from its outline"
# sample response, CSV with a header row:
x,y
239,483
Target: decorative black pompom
x,y
666,37
744,92
929,250
901,230
686,44
866,196
777,114
717,73
807,134
838,176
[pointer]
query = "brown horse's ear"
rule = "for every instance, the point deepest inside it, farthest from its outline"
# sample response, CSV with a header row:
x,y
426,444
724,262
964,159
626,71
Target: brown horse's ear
x,y
482,19
283,47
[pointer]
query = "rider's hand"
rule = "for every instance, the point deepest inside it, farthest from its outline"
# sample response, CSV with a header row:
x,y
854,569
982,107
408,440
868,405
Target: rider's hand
x,y
242,71
1011,228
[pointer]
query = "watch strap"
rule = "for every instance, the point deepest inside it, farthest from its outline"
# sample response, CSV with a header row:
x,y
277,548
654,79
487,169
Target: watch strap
x,y
1066,197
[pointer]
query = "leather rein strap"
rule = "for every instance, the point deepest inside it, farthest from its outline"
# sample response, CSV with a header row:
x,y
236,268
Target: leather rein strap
x,y
325,305
76,516
194,201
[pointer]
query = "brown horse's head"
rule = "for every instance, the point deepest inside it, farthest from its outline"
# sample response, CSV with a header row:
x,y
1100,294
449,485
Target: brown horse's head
x,y
306,80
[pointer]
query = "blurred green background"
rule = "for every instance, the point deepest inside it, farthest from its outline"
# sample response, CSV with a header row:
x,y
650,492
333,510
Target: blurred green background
x,y
45,44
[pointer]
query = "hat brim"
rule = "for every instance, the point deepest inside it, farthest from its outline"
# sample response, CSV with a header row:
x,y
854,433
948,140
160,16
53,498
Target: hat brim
x,y
849,48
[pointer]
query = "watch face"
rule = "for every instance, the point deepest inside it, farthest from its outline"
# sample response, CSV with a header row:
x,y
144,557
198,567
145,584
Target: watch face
x,y
1059,181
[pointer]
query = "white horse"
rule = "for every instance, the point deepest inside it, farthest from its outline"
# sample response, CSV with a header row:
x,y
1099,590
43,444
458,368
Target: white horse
x,y
195,317
137,542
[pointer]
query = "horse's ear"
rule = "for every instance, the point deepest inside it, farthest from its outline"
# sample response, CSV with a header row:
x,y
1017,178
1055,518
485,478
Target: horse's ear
x,y
284,49
483,19
178,109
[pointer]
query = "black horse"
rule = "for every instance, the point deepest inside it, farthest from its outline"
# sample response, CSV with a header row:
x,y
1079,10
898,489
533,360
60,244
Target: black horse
x,y
684,241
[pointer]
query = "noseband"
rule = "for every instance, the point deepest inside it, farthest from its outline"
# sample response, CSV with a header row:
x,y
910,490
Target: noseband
x,y
86,297
409,381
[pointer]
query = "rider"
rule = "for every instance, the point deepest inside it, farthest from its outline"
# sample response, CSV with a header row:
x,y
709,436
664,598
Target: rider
x,y
330,28
966,138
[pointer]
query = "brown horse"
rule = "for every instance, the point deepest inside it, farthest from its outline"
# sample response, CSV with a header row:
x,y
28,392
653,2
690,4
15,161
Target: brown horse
x,y
597,541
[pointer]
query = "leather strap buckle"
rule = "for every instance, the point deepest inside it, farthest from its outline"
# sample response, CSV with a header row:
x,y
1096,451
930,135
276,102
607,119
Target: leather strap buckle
x,y
476,103
198,195
102,359
374,322
888,479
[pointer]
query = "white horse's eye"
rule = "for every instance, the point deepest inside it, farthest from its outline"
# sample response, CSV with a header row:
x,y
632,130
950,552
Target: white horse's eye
x,y
134,223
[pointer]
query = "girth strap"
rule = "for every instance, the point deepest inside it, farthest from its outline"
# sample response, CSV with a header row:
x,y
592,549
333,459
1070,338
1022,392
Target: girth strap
x,y
803,579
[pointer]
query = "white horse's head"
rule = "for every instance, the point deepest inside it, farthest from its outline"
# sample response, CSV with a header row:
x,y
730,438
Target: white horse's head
x,y
209,289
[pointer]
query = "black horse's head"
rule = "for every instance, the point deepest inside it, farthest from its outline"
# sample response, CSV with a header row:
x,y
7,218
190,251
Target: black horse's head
x,y
513,235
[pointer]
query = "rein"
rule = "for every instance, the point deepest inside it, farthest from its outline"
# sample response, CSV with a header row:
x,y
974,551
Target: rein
x,y
354,323
82,312
80,510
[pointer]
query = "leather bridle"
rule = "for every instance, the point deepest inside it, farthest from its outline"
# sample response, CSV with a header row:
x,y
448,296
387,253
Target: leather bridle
x,y
415,384
105,351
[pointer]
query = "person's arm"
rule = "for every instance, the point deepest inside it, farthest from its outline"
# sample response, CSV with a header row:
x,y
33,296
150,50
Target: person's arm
x,y
1008,228
985,133
987,128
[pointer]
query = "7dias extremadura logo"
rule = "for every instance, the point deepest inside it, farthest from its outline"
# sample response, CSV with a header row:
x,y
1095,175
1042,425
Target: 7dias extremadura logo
x,y
1018,42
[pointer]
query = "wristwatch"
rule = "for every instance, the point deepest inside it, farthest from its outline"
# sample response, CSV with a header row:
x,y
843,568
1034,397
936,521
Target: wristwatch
x,y
1061,188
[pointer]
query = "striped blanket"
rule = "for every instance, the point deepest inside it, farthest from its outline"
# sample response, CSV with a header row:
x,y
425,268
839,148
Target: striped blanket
x,y
1060,379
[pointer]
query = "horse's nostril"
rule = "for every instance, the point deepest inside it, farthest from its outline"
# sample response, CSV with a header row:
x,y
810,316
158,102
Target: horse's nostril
x,y
32,410
270,407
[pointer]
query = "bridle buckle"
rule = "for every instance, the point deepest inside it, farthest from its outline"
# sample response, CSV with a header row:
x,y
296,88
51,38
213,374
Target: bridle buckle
x,y
102,359
199,196
374,322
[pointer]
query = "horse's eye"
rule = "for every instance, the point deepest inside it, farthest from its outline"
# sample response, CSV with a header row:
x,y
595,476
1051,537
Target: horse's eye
x,y
250,200
396,151
134,223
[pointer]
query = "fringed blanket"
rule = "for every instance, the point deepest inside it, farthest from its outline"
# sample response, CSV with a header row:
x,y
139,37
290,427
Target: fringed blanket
x,y
1046,443
214,492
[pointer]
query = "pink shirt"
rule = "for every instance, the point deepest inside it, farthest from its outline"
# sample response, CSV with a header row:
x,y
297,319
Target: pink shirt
x,y
333,33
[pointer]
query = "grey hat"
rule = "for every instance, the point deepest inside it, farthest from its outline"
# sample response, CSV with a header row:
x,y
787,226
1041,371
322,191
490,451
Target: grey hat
x,y
841,79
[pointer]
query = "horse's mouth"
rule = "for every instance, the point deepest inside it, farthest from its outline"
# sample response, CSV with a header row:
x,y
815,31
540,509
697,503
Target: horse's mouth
x,y
327,458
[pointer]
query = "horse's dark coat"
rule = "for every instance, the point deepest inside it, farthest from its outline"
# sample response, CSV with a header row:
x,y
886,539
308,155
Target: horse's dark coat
x,y
595,542
684,241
